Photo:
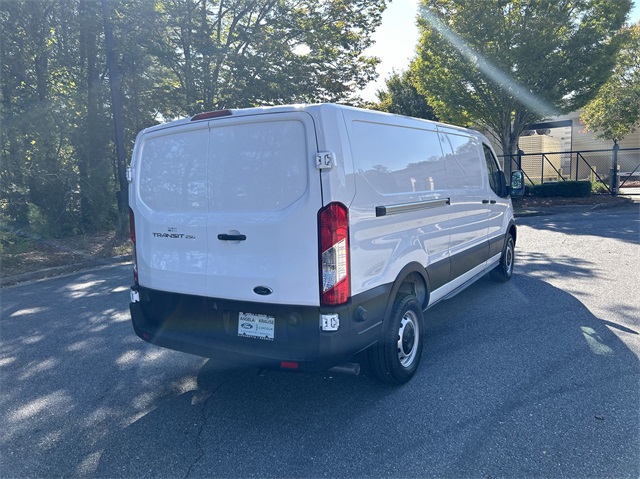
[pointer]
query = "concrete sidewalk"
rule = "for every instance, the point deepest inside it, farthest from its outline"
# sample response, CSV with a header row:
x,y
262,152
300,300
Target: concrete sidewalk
x,y
558,209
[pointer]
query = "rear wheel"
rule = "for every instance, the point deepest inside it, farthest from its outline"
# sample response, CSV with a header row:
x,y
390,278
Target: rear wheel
x,y
396,356
504,270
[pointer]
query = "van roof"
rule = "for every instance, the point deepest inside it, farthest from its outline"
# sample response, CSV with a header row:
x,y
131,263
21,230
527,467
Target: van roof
x,y
236,112
311,108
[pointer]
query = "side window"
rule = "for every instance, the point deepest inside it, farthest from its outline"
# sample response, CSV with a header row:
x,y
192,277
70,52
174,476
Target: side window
x,y
462,162
396,159
492,169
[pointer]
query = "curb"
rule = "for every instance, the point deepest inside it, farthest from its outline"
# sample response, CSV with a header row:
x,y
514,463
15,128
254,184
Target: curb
x,y
554,210
607,206
62,270
526,213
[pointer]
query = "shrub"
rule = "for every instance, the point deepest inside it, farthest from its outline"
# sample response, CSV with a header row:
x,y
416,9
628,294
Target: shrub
x,y
570,189
599,188
12,243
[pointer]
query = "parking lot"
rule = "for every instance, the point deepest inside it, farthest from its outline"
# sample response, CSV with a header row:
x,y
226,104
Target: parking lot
x,y
538,377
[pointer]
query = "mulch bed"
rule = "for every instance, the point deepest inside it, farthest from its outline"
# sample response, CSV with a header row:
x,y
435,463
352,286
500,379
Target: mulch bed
x,y
44,254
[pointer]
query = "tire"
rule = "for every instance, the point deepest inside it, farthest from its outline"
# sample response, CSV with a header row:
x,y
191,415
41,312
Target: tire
x,y
503,272
396,356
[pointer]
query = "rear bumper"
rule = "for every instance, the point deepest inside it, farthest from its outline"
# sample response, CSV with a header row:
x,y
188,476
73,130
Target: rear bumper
x,y
209,327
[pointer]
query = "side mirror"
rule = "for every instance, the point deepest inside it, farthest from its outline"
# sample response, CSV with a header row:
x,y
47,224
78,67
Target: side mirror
x,y
517,184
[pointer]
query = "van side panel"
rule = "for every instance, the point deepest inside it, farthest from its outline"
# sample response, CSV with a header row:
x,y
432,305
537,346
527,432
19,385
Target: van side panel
x,y
400,212
337,182
500,211
469,195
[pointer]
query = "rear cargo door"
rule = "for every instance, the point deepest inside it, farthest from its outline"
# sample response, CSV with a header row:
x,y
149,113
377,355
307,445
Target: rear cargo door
x,y
169,198
263,196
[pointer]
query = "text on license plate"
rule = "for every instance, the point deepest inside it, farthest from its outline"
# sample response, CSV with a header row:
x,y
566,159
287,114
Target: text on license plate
x,y
259,326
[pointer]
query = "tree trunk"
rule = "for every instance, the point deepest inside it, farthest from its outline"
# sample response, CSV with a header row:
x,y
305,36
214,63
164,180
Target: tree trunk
x,y
116,108
87,153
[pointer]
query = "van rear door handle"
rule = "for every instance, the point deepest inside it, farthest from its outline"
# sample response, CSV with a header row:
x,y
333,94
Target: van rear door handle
x,y
493,202
225,237
484,202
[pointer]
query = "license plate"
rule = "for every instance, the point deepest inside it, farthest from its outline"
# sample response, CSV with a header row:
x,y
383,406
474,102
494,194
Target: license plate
x,y
259,326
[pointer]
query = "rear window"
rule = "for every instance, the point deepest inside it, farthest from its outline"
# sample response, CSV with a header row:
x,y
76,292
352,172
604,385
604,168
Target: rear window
x,y
258,166
173,172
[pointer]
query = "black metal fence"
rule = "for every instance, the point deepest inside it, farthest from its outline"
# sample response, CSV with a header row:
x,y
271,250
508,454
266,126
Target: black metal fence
x,y
592,165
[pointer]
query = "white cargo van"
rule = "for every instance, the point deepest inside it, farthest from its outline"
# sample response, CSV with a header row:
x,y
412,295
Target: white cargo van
x,y
295,237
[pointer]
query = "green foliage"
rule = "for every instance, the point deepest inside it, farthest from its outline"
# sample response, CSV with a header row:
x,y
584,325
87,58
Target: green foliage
x,y
568,189
528,189
11,243
402,97
615,111
237,53
508,63
598,188
58,173
56,128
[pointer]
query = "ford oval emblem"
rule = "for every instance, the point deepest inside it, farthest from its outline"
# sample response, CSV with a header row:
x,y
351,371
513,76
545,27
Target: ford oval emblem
x,y
262,290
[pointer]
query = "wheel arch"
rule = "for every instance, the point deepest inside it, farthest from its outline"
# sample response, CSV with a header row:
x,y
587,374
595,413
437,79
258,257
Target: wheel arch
x,y
412,279
512,230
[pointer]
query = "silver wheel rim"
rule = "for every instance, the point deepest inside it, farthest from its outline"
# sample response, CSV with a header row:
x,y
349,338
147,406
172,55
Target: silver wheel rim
x,y
408,339
508,258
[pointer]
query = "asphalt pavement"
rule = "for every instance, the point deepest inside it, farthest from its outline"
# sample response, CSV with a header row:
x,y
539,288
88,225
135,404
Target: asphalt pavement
x,y
538,377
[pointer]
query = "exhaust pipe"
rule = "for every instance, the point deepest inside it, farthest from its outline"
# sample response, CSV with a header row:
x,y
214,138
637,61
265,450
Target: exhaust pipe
x,y
352,369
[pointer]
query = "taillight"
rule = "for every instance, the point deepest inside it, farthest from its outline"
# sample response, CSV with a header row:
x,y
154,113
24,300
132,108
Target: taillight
x,y
132,232
333,228
289,364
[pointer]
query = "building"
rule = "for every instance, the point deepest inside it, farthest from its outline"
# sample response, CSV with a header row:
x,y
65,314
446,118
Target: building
x,y
560,148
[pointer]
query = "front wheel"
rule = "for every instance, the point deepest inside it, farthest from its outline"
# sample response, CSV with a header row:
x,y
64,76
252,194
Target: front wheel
x,y
396,356
502,273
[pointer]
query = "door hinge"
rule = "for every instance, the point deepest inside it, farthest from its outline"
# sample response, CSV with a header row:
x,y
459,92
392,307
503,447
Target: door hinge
x,y
129,174
325,160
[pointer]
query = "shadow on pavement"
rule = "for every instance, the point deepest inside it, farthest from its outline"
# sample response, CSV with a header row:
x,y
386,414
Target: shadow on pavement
x,y
623,225
525,387
517,380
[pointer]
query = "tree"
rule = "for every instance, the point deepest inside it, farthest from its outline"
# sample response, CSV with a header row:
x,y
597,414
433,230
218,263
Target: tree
x,y
615,111
174,58
507,63
36,174
92,132
238,53
56,167
402,97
